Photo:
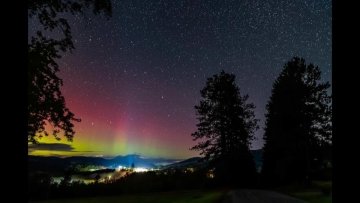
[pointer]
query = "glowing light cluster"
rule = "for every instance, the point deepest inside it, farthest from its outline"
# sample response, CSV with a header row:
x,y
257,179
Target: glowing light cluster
x,y
120,167
140,170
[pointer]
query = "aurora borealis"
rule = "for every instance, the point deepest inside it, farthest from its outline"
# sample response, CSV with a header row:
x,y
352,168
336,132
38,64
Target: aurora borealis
x,y
134,79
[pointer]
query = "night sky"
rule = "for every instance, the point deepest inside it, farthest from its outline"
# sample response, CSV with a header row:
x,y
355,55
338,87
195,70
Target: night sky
x,y
134,79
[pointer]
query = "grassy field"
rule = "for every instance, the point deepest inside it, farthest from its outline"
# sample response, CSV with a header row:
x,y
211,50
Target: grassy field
x,y
317,193
166,197
312,197
313,194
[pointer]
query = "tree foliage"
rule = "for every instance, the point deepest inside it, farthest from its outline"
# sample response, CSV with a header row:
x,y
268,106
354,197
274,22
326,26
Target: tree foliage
x,y
46,104
226,128
298,124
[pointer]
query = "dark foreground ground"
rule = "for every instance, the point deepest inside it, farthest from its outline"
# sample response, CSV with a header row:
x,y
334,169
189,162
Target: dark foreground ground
x,y
165,197
287,194
258,196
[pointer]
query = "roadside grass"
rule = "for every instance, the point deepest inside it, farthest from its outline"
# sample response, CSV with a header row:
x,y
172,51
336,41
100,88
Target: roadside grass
x,y
312,197
317,192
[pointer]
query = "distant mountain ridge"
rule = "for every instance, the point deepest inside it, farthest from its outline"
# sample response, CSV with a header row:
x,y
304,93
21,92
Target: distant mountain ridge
x,y
197,161
257,154
57,164
191,162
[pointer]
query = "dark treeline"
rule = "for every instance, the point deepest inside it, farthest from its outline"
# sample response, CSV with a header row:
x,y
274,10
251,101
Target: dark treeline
x,y
42,187
298,131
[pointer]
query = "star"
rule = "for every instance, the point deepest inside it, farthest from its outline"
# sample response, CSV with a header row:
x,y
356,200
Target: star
x,y
150,60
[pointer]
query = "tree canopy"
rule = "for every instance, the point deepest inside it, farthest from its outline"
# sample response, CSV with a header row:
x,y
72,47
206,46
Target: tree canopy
x,y
298,124
46,104
225,129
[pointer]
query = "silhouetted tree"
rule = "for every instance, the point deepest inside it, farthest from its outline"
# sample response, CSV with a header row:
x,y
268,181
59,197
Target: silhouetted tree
x,y
97,178
298,124
65,182
46,103
225,130
39,185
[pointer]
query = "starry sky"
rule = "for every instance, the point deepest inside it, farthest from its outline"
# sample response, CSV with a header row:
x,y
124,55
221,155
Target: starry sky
x,y
134,79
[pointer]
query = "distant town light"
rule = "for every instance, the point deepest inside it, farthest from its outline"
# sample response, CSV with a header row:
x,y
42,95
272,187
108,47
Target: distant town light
x,y
190,169
140,170
210,174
